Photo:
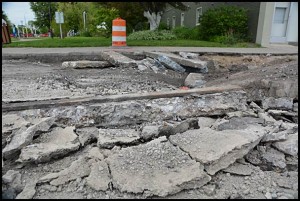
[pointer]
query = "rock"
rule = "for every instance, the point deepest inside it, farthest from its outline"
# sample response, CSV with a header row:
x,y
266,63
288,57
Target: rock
x,y
99,177
117,59
44,152
200,66
218,149
237,68
295,107
86,64
9,194
108,138
12,178
61,142
142,67
94,152
255,107
280,88
274,157
268,195
273,137
209,189
157,168
167,129
87,135
189,55
78,168
169,63
12,122
239,169
289,146
266,117
28,191
205,122
277,103
236,123
149,132
248,113
49,188
194,80
24,138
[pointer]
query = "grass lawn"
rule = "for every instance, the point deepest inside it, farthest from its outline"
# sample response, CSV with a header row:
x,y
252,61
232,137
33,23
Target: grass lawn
x,y
106,42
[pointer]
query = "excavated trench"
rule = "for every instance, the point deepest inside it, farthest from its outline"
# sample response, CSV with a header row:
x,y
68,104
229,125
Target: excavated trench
x,y
233,143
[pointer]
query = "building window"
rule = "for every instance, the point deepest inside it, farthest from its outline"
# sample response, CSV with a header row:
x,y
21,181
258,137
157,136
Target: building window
x,y
168,23
279,15
198,14
182,19
173,22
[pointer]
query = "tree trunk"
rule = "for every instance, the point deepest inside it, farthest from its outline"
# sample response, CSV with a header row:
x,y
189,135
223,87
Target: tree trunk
x,y
153,19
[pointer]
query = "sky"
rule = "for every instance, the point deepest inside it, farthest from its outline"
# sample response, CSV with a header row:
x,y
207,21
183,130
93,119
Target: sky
x,y
18,11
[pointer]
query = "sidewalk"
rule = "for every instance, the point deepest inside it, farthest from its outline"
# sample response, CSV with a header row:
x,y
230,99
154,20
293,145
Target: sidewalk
x,y
274,49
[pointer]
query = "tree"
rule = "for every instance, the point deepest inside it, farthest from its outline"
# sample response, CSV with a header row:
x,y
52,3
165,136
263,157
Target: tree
x,y
44,13
154,10
4,16
132,12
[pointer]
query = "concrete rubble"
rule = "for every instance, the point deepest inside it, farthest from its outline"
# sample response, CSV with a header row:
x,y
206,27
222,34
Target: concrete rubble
x,y
155,168
86,64
25,135
126,143
215,149
61,142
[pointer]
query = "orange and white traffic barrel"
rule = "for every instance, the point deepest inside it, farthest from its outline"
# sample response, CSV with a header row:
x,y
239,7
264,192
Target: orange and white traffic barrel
x,y
118,33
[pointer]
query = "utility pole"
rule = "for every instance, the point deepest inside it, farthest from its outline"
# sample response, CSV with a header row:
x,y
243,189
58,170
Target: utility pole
x,y
84,20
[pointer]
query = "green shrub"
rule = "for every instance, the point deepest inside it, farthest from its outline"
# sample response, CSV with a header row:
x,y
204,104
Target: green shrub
x,y
152,35
186,33
163,26
223,21
141,26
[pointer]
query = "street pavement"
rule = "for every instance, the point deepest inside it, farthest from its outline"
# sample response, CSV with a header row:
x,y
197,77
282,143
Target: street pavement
x,y
272,49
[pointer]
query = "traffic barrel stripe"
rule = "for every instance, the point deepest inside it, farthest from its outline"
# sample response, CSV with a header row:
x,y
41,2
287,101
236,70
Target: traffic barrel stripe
x,y
119,32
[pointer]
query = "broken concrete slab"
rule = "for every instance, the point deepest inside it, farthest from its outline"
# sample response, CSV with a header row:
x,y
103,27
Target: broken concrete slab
x,y
61,142
239,169
205,122
149,132
28,191
277,103
218,149
13,179
170,64
266,117
44,152
153,64
236,123
155,168
108,138
273,137
12,122
95,153
24,137
289,146
198,64
79,168
167,129
248,113
86,64
87,135
117,59
194,80
273,157
99,178
188,55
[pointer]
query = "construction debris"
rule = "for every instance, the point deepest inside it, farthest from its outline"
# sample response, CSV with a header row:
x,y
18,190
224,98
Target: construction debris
x,y
129,129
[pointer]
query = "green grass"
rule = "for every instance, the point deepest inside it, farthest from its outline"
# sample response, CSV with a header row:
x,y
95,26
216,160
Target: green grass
x,y
106,42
